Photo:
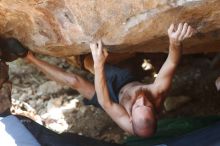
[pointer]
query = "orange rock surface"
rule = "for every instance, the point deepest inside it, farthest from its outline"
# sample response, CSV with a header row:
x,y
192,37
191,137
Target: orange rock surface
x,y
65,27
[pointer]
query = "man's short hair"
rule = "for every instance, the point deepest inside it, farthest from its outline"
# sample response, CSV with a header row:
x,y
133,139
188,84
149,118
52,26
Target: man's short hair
x,y
145,128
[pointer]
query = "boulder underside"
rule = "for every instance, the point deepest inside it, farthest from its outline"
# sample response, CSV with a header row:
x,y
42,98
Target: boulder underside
x,y
63,28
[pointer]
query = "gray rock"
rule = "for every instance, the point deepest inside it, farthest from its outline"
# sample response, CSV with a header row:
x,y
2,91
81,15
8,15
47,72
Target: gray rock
x,y
173,102
49,87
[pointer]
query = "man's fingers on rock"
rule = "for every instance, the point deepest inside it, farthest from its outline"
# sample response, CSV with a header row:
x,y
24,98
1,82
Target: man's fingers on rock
x,y
191,34
99,43
183,32
189,30
93,46
170,30
93,49
179,29
188,36
99,49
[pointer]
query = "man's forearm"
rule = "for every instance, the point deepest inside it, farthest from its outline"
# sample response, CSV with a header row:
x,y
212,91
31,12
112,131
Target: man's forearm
x,y
172,61
164,79
101,87
166,73
53,72
175,52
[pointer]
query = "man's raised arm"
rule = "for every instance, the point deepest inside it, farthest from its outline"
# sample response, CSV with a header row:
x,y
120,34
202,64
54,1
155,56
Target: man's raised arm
x,y
166,73
114,110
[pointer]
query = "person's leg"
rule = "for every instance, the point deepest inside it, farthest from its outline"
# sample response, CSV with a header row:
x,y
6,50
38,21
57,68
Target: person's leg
x,y
5,99
84,87
72,80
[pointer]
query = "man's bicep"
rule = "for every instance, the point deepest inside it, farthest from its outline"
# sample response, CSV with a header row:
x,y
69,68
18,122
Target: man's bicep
x,y
119,115
159,88
163,84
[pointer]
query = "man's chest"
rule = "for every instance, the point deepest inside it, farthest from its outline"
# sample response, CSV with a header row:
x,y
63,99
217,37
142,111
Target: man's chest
x,y
126,99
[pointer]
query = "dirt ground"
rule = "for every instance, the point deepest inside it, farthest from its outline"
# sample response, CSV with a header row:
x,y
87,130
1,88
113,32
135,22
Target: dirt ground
x,y
61,109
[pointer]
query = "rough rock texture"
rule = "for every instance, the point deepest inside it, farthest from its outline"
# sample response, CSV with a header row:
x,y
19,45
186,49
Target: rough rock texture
x,y
64,27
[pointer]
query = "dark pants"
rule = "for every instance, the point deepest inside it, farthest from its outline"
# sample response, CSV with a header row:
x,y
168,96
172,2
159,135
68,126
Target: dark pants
x,y
209,136
47,137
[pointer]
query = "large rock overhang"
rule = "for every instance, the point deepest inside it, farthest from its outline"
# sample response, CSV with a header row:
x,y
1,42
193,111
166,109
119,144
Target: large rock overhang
x,y
64,28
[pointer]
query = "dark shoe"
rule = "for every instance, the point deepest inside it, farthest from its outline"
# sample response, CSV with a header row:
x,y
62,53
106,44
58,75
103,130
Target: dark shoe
x,y
11,49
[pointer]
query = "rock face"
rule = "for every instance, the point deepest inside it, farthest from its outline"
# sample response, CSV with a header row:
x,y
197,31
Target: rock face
x,y
64,28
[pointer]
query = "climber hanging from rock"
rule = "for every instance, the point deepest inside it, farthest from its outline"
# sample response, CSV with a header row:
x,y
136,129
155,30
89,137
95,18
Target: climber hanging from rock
x,y
17,130
133,105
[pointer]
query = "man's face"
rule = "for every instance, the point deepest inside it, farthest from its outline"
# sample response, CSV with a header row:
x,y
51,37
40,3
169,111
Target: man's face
x,y
143,117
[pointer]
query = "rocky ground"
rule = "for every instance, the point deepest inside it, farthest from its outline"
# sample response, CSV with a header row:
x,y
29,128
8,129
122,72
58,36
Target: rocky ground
x,y
61,109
